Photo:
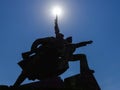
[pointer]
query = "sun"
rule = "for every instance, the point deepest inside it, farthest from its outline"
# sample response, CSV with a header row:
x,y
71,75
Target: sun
x,y
57,11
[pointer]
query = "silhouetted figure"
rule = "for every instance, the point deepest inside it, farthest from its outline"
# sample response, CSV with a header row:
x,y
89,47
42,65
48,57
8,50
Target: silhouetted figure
x,y
49,57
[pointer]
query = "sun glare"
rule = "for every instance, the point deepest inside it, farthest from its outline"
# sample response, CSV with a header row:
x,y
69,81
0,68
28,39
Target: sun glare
x,y
57,11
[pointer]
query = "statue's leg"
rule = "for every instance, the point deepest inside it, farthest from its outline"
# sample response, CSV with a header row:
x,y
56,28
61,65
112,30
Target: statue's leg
x,y
83,62
20,79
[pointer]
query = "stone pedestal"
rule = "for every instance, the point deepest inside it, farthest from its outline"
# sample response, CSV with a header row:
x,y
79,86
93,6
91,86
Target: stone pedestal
x,y
85,81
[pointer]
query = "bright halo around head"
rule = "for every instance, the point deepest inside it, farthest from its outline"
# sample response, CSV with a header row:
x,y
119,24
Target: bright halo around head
x,y
57,11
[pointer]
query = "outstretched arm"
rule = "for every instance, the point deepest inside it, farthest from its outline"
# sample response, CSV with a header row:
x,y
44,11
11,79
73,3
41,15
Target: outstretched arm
x,y
77,45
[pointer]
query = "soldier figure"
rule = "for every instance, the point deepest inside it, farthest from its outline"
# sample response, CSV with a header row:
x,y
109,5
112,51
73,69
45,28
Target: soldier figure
x,y
67,54
51,53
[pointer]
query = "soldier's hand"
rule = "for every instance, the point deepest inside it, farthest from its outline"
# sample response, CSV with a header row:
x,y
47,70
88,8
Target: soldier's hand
x,y
89,42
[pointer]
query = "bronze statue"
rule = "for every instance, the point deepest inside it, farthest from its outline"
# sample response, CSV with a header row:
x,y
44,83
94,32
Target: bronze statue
x,y
51,53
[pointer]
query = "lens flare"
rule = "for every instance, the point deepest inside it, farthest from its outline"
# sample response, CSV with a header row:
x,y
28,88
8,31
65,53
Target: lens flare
x,y
57,11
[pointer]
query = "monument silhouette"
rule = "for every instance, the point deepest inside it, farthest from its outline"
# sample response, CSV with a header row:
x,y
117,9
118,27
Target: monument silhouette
x,y
47,59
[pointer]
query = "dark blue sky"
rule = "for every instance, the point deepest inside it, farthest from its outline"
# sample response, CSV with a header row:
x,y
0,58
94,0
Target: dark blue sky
x,y
23,21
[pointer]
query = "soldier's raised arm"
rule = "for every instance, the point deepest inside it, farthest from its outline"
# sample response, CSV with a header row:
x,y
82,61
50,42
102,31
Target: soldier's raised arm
x,y
56,28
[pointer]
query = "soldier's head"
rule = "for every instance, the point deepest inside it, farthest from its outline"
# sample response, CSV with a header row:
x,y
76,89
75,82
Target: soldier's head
x,y
60,36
